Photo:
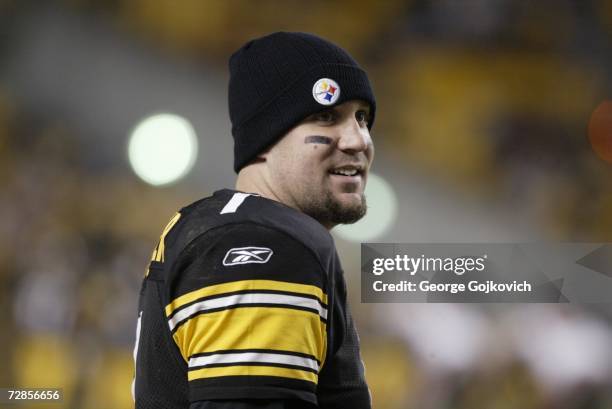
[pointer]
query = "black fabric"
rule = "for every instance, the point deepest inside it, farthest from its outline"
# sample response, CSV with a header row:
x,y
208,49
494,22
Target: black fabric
x,y
304,253
200,263
271,82
245,382
252,404
343,379
160,370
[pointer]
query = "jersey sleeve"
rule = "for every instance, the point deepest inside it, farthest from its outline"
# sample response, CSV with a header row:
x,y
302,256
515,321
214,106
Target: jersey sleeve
x,y
247,309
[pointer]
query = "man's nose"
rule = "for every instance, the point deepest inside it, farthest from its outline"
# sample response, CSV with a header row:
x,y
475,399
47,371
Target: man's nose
x,y
353,137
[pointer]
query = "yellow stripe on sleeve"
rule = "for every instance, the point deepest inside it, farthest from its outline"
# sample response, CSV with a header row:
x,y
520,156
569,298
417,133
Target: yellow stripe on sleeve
x,y
252,371
159,251
281,329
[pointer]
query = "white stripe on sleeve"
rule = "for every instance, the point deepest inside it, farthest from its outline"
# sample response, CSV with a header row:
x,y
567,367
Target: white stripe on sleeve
x,y
261,357
245,299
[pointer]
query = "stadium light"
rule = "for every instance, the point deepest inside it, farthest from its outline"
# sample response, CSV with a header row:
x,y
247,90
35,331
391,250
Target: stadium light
x,y
162,149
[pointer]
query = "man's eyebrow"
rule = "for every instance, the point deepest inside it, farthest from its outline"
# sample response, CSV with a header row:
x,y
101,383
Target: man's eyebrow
x,y
364,107
318,139
328,109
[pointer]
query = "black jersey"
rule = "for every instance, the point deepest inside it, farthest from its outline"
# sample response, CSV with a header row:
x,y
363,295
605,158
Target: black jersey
x,y
245,299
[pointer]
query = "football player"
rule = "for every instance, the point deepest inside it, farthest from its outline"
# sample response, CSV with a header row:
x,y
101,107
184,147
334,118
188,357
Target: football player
x,y
244,304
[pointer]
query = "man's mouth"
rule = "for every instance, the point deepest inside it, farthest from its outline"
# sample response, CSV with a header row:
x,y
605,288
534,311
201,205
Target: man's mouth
x,y
347,170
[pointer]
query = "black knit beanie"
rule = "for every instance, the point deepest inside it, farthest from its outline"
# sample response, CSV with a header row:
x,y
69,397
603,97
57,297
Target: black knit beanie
x,y
278,80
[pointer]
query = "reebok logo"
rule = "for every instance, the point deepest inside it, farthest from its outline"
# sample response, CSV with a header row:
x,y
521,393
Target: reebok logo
x,y
245,255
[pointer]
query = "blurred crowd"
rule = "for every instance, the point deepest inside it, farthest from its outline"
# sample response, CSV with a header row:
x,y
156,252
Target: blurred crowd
x,y
490,97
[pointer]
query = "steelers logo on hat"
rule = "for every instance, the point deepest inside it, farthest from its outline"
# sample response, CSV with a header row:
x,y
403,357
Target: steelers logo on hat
x,y
326,91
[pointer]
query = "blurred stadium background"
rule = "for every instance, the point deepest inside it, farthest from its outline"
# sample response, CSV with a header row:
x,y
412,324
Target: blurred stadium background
x,y
493,126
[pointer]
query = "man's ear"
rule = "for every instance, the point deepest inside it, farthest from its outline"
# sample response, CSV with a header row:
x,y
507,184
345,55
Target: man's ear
x,y
263,155
260,158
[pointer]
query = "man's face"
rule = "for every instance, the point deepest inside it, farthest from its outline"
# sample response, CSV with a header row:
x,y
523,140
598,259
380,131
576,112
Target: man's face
x,y
320,167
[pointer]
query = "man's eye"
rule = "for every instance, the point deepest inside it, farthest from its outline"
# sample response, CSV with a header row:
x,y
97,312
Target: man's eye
x,y
324,116
362,117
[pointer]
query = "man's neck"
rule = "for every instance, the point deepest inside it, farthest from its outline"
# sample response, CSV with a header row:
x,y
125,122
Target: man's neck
x,y
251,179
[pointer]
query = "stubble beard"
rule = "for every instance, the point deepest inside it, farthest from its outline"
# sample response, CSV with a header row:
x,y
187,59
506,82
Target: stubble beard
x,y
328,211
